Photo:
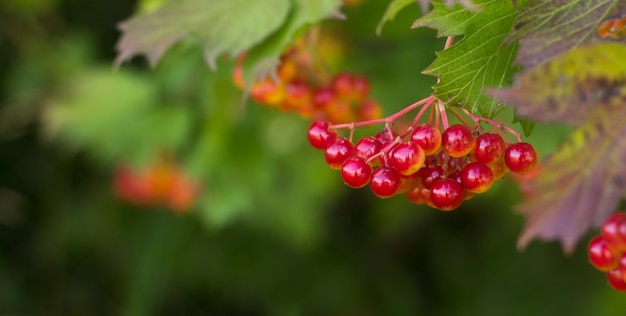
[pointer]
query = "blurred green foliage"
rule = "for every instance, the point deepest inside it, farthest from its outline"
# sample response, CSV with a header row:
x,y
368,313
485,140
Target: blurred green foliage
x,y
275,232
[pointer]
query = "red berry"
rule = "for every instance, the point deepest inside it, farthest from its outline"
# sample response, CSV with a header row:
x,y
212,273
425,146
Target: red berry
x,y
360,87
499,169
520,157
428,137
297,94
338,151
614,231
319,135
476,177
407,158
367,147
489,147
268,92
617,279
356,172
430,174
447,194
385,182
414,194
323,98
350,87
342,84
601,256
457,141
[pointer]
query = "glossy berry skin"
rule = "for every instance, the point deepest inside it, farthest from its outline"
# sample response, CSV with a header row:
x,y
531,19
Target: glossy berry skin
x,y
489,147
457,141
614,231
356,172
476,177
338,151
428,137
385,182
319,135
407,158
601,256
617,279
447,194
367,147
520,157
430,174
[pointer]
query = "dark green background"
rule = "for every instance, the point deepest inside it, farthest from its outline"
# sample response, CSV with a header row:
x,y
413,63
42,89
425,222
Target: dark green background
x,y
275,231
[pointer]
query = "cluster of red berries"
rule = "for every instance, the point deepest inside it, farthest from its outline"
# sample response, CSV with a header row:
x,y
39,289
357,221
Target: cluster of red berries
x,y
607,251
161,183
342,98
440,168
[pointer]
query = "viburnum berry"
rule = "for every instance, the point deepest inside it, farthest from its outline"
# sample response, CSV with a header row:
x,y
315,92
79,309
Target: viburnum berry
x,y
430,174
268,92
520,157
601,256
297,94
428,137
447,194
476,177
385,182
338,151
414,194
489,147
367,147
323,98
407,158
498,168
614,231
356,172
319,135
617,279
457,140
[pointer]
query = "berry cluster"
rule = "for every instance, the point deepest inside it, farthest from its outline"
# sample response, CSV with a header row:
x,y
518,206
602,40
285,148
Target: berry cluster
x,y
607,251
432,163
161,183
300,88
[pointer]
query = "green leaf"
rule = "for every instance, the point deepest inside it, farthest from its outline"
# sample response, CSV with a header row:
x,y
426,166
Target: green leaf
x,y
393,8
467,4
263,59
546,29
220,26
583,180
477,61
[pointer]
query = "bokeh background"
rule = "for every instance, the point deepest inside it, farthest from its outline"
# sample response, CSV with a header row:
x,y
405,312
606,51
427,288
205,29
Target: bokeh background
x,y
273,231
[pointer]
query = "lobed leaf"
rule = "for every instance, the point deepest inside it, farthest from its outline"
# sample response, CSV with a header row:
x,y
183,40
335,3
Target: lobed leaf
x,y
393,8
477,61
583,180
220,26
546,29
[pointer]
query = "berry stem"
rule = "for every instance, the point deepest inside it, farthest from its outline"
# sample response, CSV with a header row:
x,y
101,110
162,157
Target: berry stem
x,y
499,125
421,113
389,119
443,114
449,42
